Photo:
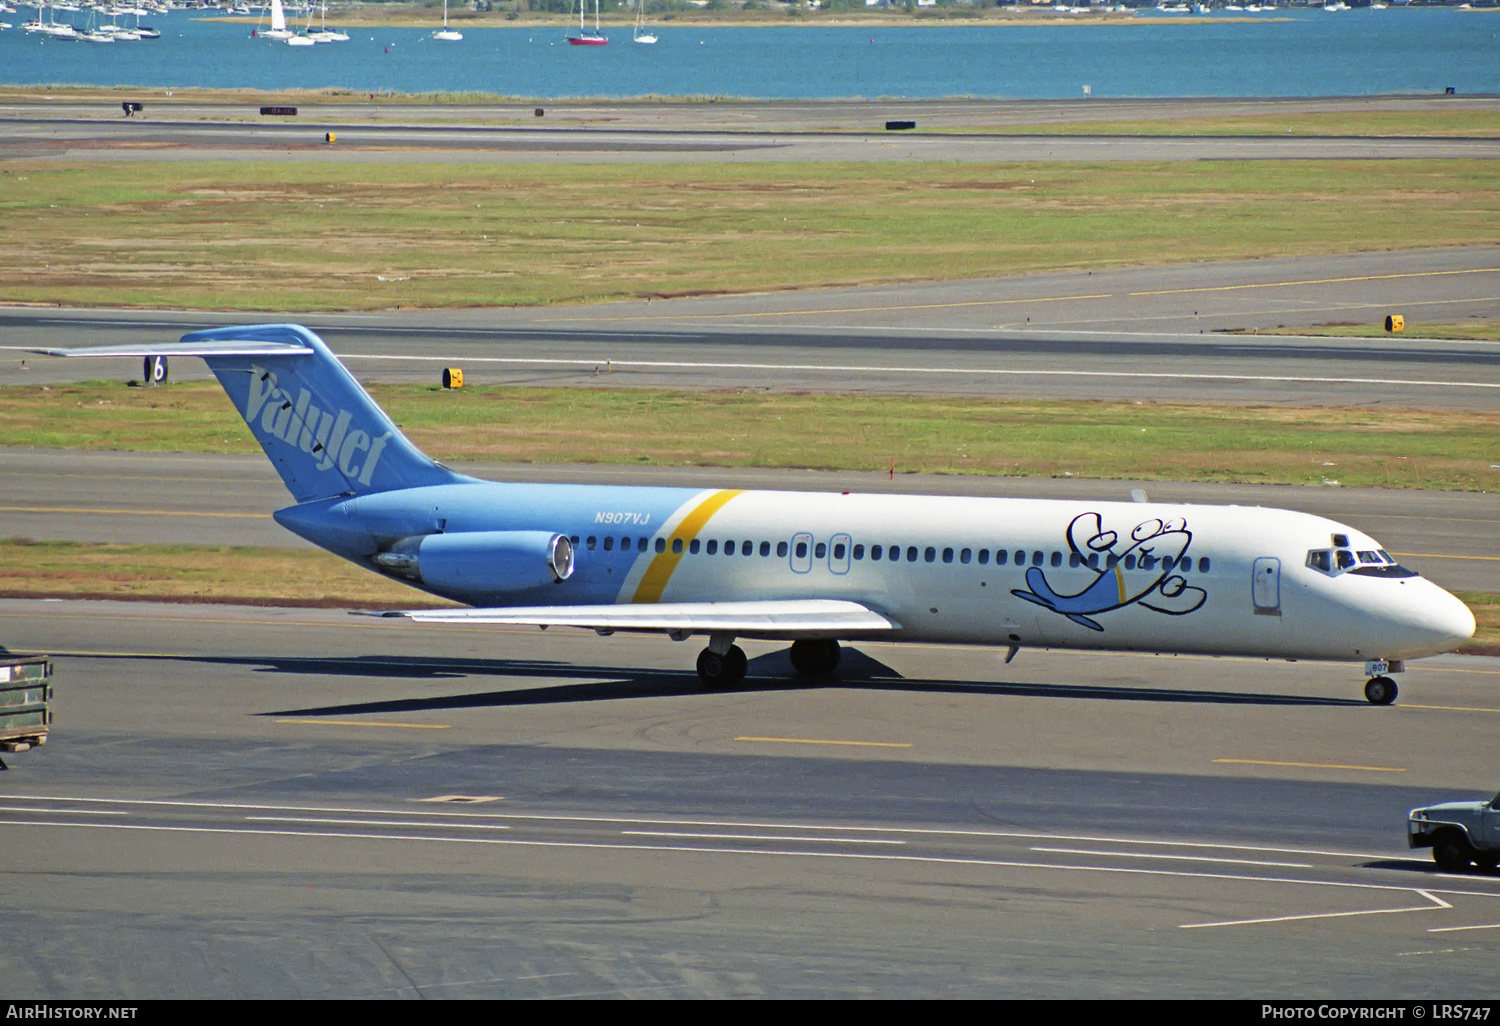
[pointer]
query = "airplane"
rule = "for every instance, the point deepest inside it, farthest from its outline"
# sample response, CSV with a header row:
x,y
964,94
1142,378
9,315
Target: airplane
x,y
812,569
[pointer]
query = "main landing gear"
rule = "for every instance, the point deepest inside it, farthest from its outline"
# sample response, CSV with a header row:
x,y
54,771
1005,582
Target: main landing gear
x,y
1380,689
722,664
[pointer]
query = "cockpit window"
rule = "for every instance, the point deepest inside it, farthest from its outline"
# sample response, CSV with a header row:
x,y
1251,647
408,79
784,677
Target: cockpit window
x,y
1344,559
1370,557
1368,563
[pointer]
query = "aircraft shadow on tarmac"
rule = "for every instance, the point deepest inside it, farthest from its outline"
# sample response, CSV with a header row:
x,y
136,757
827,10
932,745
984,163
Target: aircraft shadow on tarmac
x,y
1425,866
767,673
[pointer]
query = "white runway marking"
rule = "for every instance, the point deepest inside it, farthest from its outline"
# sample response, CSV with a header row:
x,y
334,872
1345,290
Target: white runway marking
x,y
842,368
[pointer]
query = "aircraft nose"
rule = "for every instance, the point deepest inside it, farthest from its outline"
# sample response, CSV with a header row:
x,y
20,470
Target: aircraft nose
x,y
1452,619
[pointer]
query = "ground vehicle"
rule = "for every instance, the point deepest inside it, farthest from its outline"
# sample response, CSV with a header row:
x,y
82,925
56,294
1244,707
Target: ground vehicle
x,y
25,691
1458,833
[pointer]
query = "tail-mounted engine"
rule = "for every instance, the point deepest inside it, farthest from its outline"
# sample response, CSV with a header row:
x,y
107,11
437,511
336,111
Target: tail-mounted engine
x,y
485,561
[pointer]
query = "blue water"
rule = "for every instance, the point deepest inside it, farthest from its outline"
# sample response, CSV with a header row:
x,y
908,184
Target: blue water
x,y
1359,52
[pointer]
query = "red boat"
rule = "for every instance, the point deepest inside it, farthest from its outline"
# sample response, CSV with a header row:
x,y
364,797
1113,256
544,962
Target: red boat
x,y
585,37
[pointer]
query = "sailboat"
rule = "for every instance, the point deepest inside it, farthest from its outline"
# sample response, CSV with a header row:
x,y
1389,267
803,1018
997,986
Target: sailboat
x,y
640,13
278,29
585,37
447,34
323,35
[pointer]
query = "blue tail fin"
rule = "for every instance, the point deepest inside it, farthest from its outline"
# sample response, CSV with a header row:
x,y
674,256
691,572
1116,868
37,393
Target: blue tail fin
x,y
321,430
317,425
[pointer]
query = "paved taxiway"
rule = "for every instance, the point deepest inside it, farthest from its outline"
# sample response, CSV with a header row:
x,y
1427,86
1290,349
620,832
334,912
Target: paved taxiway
x,y
246,803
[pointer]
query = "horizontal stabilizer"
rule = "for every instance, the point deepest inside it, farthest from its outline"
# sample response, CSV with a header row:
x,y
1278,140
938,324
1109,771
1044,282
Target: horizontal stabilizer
x,y
228,347
770,618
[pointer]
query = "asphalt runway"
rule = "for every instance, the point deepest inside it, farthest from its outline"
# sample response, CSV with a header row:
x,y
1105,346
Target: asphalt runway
x,y
1176,333
253,803
170,129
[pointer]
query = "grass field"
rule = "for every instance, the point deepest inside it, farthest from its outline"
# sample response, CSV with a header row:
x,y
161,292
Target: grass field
x,y
383,236
1106,440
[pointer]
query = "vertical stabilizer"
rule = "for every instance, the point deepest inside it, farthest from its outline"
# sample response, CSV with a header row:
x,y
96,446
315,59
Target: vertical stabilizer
x,y
321,430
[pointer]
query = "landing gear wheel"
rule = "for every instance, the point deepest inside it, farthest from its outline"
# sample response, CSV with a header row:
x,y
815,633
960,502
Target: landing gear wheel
x,y
815,657
1451,853
722,671
1380,690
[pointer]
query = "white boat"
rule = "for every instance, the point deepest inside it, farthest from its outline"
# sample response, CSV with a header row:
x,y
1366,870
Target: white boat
x,y
323,35
278,29
447,34
640,35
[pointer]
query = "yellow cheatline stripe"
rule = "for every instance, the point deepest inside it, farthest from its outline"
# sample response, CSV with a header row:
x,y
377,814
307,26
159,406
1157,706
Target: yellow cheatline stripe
x,y
654,580
1450,708
1318,281
130,512
1440,555
815,741
1314,765
370,723
1120,579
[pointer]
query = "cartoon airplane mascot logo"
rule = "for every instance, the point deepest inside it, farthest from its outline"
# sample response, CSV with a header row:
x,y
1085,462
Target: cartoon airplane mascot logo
x,y
1142,571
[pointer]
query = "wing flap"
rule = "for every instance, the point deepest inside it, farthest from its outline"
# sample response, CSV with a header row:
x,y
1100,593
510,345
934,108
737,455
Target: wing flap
x,y
771,618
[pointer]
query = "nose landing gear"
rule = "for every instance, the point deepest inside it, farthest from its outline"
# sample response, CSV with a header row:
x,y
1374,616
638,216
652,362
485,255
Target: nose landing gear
x,y
1380,689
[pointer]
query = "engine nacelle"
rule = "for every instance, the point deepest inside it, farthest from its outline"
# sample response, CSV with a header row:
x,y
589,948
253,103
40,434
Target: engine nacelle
x,y
485,561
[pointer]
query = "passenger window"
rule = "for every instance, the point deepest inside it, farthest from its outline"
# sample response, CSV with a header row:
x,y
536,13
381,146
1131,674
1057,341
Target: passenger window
x,y
781,550
1130,562
661,545
1057,559
1000,557
802,550
1148,561
1166,562
947,555
1110,561
642,544
574,540
1075,560
838,551
875,553
713,546
592,542
911,553
676,546
984,557
693,547
859,552
1094,560
820,550
1203,564
1021,558
965,555
931,554
747,549
765,548
609,543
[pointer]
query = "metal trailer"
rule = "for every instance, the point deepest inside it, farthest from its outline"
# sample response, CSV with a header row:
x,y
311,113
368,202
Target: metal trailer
x,y
25,702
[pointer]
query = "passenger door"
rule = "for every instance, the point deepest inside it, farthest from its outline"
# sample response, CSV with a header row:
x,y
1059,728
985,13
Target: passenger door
x,y
801,554
838,553
1265,586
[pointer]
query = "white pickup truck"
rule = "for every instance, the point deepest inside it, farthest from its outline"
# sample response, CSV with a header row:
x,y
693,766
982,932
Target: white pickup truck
x,y
1458,833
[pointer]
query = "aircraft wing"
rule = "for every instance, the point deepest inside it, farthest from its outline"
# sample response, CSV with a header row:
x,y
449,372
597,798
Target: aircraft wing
x,y
774,618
